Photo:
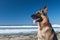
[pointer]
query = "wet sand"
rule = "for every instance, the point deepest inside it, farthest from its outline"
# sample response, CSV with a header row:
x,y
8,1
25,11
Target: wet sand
x,y
22,37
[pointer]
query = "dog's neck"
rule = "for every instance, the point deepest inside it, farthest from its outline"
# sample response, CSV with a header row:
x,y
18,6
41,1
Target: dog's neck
x,y
39,25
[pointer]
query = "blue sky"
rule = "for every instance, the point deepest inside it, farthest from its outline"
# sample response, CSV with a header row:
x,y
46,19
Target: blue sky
x,y
20,11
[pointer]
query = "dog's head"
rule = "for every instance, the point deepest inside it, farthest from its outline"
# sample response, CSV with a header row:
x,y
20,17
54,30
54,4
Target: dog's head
x,y
37,16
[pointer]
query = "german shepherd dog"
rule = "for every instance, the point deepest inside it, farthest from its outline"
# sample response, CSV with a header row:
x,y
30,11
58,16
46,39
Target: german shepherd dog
x,y
45,30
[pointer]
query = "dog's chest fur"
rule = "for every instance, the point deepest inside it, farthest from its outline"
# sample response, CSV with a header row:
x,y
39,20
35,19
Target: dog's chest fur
x,y
42,33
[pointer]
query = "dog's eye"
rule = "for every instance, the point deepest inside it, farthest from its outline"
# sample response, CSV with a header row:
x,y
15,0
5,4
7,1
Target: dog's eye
x,y
38,14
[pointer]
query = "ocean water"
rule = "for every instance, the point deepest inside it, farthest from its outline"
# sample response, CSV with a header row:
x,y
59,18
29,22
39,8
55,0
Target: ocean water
x,y
22,29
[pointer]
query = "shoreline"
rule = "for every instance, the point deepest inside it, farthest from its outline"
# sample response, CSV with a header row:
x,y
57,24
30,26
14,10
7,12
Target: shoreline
x,y
22,37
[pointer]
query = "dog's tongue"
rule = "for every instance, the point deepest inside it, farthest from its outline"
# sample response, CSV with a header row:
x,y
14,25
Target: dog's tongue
x,y
34,21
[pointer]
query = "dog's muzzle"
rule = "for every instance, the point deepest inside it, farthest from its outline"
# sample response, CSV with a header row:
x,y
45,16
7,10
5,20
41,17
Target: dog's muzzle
x,y
36,18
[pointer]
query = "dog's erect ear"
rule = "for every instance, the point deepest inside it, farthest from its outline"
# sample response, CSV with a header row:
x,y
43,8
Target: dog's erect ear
x,y
45,9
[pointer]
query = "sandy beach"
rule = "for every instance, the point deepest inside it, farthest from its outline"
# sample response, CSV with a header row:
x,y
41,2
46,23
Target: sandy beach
x,y
22,37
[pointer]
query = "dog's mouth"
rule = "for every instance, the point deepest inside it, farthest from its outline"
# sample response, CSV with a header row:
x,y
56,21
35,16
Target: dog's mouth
x,y
36,20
